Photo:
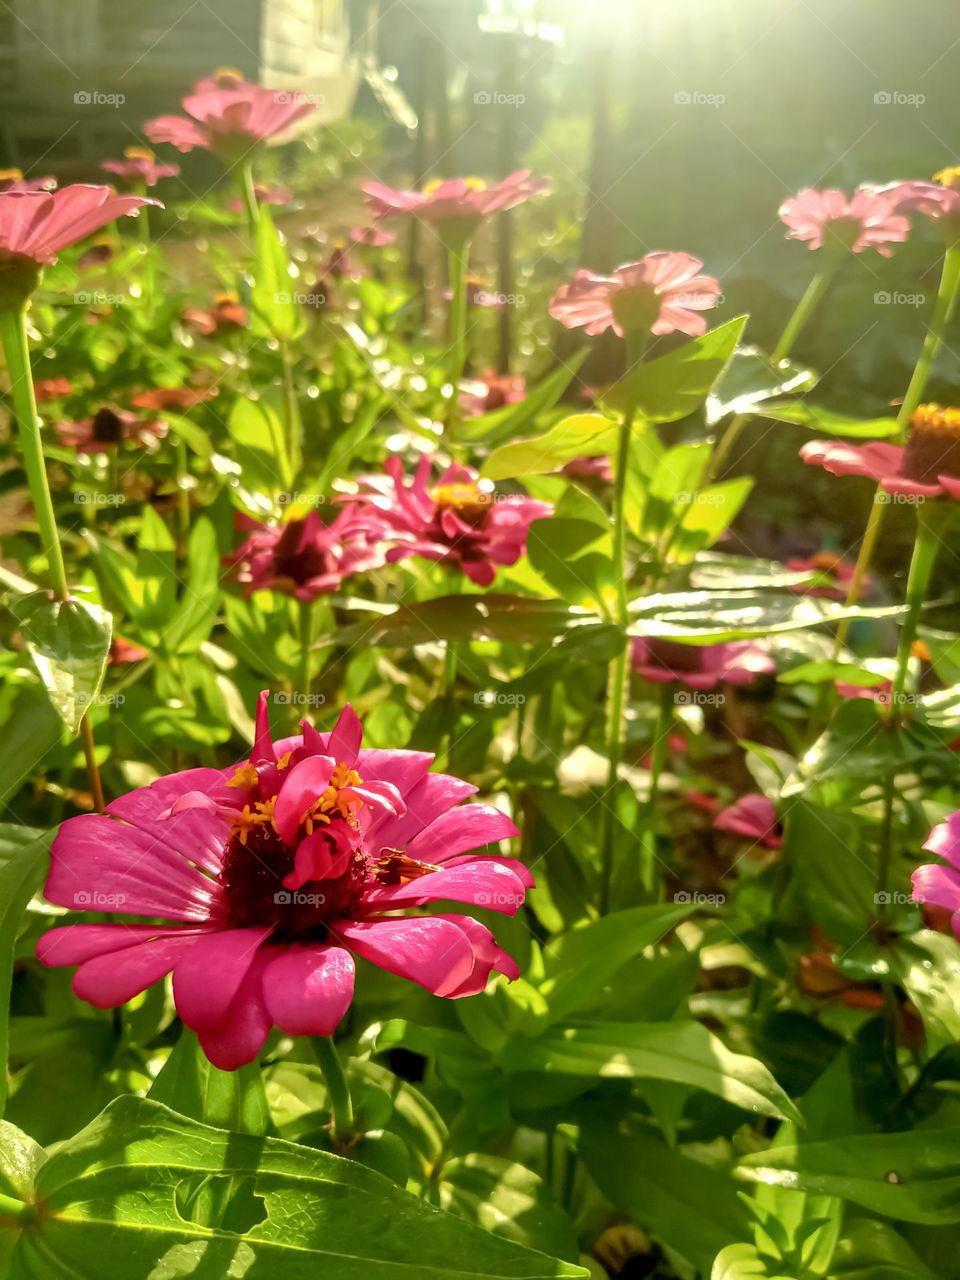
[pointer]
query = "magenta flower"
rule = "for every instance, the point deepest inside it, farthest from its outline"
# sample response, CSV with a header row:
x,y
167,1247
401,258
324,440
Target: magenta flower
x,y
833,575
229,121
108,428
939,882
140,167
938,200
662,293
700,666
868,220
458,521
753,817
36,225
460,202
269,877
927,466
304,558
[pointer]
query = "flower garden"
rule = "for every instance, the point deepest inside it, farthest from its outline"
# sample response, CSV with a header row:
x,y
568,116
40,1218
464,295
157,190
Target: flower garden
x,y
437,842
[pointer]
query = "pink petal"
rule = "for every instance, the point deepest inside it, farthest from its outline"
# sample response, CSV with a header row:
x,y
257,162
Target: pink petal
x,y
470,826
240,1036
345,737
307,990
209,976
75,943
432,952
110,980
303,785
484,882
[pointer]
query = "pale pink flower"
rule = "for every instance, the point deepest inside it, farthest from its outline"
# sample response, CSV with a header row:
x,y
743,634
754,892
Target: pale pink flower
x,y
662,293
867,220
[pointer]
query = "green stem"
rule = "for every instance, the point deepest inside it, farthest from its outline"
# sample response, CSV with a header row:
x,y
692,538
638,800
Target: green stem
x,y
291,410
90,757
661,744
249,194
798,321
341,1104
13,334
149,265
306,645
925,551
458,253
11,1208
183,500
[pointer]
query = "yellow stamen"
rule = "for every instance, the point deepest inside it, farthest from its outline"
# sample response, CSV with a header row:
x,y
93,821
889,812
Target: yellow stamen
x,y
284,760
332,803
227,77
245,775
138,153
472,184
949,177
248,819
11,175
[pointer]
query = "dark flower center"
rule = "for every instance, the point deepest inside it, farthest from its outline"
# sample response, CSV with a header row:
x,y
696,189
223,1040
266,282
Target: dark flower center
x,y
673,656
934,445
107,427
298,564
466,498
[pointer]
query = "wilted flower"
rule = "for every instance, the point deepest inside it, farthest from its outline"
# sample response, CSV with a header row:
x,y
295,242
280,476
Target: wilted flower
x,y
229,121
304,558
125,651
753,817
271,875
927,466
938,883
662,293
107,428
458,521
700,666
459,205
140,167
868,220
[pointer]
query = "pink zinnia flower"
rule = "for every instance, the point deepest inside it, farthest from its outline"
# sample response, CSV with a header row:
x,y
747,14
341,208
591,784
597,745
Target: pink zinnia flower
x,y
589,468
868,220
140,167
371,237
13,180
228,312
52,389
927,466
177,398
303,558
662,293
833,574
939,882
269,877
108,428
460,202
753,817
36,225
938,200
458,521
492,391
700,666
229,121
867,692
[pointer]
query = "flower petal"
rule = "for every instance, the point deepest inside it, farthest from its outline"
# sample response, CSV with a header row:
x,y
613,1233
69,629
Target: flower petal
x,y
307,990
209,976
432,952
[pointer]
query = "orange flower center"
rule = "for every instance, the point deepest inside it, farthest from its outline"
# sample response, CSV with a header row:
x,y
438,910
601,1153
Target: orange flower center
x,y
336,800
139,153
934,445
949,177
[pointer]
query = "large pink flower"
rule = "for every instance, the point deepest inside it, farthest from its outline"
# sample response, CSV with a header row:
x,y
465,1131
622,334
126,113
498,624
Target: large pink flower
x,y
140,167
939,882
663,661
938,200
36,225
465,201
229,121
304,558
754,818
662,293
928,466
269,878
868,220
459,520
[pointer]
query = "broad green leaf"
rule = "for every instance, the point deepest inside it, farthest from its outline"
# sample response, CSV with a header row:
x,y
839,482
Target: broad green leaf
x,y
684,1052
708,514
23,863
677,384
707,617
193,436
828,421
69,641
501,423
913,1176
32,730
191,1085
580,963
573,556
507,1199
154,583
688,1206
834,870
584,435
197,612
875,1251
20,1158
257,430
273,297
113,1197
928,965
741,1262
752,377
714,571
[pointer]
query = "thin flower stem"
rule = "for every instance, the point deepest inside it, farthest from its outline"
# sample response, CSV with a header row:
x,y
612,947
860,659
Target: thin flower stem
x,y
248,193
341,1104
925,551
457,257
661,743
802,314
183,500
291,410
11,1208
947,296
90,757
305,677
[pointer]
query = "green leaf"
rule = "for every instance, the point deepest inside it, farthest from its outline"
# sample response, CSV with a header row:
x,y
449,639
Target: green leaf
x,y
828,422
501,423
275,310
69,641
33,729
23,863
191,1085
256,428
752,377
583,435
675,385
707,617
685,1052
875,1251
113,1198
834,870
197,612
580,963
912,1176
573,556
741,1262
686,1205
708,515
928,966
